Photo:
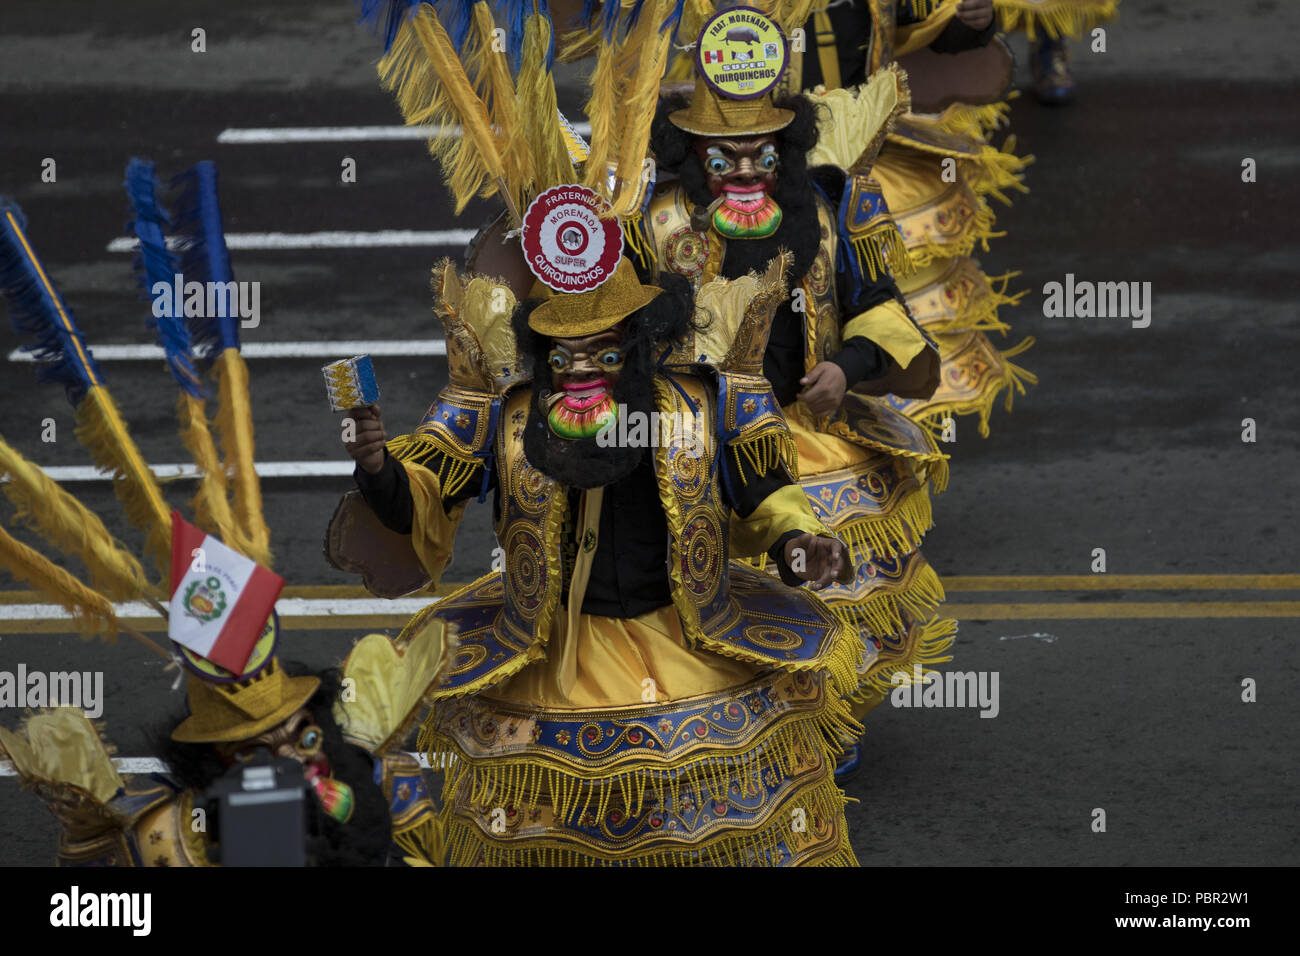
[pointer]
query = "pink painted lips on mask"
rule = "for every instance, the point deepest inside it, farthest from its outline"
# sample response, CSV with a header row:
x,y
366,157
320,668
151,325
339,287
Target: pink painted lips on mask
x,y
745,200
583,395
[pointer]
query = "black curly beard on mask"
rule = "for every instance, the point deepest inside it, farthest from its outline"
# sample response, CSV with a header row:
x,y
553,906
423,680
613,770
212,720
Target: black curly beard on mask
x,y
581,462
799,232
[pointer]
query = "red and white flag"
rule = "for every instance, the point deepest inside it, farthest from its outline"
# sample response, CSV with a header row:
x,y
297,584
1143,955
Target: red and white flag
x,y
220,599
712,56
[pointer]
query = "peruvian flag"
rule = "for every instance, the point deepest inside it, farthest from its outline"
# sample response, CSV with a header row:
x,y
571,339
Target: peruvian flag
x,y
712,56
220,599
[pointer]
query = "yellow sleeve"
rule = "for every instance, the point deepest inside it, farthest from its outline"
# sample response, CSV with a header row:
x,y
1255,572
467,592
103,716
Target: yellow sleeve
x,y
433,529
915,36
784,510
890,327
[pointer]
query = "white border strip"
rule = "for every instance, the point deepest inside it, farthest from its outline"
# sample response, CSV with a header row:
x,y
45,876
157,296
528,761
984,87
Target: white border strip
x,y
335,239
154,765
270,350
264,469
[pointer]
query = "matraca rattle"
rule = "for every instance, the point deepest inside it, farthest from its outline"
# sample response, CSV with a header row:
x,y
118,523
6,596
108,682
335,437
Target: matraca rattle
x,y
351,383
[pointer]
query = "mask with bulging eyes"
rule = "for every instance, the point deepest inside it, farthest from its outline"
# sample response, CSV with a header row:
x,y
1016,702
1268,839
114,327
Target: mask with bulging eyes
x,y
583,374
741,172
298,738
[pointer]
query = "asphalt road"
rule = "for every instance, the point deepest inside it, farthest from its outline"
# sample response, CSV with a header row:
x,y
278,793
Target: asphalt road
x,y
1131,443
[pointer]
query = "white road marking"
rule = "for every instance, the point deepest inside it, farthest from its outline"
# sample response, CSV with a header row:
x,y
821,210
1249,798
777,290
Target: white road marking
x,y
285,607
264,469
344,134
335,239
271,350
154,765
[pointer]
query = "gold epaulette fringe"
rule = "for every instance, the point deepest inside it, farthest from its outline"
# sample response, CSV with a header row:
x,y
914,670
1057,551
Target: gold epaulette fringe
x,y
636,242
454,469
883,250
765,451
933,645
467,845
1062,19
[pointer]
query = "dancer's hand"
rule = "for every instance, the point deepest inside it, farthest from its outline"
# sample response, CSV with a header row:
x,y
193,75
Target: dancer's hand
x,y
824,388
976,14
367,448
819,560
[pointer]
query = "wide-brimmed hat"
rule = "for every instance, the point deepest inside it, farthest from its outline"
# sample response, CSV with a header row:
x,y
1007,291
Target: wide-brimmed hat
x,y
572,315
713,115
230,712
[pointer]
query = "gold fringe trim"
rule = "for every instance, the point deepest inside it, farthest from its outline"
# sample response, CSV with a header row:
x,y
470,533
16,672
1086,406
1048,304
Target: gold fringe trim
x,y
210,503
897,533
235,428
636,243
454,471
883,251
1013,382
964,119
520,782
71,527
467,845
999,169
982,316
1057,19
888,612
932,646
931,465
766,451
103,432
978,232
422,843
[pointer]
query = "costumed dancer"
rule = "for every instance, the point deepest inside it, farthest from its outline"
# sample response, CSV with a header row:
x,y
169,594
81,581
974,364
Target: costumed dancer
x,y
242,701
752,180
937,172
1048,24
621,691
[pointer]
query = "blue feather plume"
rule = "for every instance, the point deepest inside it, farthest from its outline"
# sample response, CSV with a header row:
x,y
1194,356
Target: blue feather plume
x,y
392,13
38,311
155,265
203,254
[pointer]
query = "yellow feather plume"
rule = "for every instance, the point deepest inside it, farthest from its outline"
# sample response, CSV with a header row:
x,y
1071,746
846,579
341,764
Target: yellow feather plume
x,y
235,427
431,86
211,502
638,102
536,89
92,611
497,90
103,432
601,110
71,527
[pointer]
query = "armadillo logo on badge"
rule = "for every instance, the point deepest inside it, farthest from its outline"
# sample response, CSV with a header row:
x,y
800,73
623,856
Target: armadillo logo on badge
x,y
566,243
741,53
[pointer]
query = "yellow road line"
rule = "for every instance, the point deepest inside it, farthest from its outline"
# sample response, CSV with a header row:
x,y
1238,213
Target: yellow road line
x,y
1120,610
1122,582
